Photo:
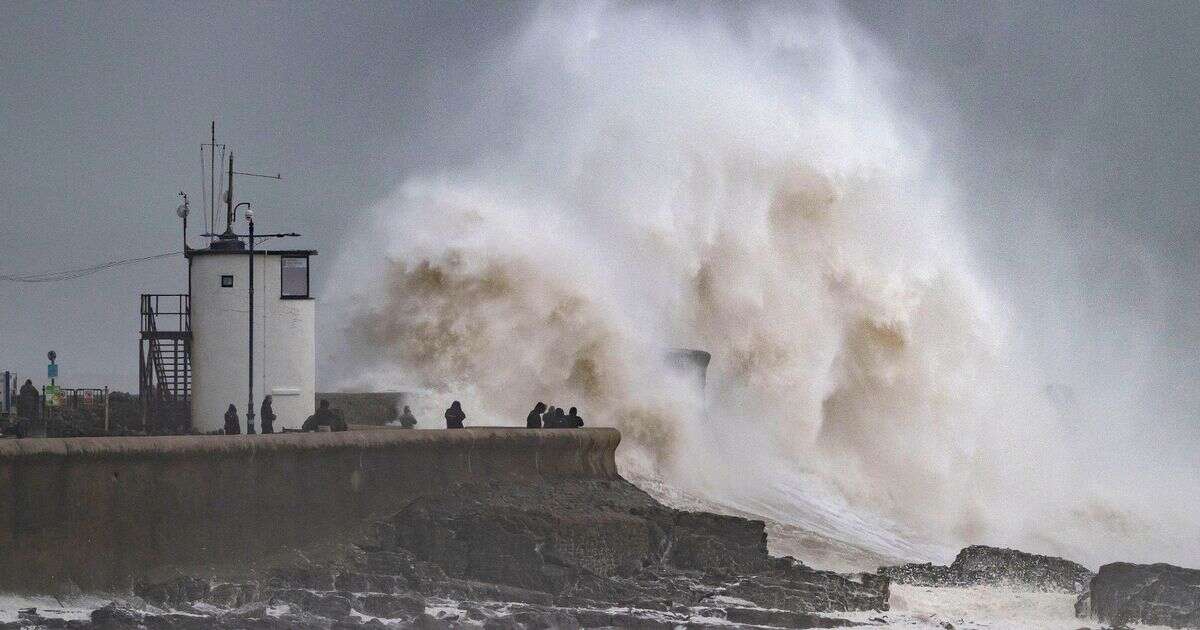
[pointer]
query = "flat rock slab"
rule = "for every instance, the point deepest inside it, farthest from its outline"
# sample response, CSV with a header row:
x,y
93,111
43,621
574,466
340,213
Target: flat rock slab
x,y
1156,594
980,565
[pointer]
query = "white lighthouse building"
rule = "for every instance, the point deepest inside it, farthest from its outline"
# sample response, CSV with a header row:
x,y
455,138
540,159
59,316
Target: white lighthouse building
x,y
284,333
245,330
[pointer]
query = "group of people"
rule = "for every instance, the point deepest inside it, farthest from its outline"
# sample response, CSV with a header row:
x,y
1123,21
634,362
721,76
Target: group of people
x,y
325,416
551,417
542,417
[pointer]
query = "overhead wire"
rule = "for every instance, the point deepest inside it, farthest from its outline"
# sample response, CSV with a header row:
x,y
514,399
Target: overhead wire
x,y
81,272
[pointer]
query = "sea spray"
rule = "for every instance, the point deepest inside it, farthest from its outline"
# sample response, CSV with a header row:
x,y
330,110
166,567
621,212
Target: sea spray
x,y
734,181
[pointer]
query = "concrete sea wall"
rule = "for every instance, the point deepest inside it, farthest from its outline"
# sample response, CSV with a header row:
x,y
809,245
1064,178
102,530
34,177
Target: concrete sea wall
x,y
103,513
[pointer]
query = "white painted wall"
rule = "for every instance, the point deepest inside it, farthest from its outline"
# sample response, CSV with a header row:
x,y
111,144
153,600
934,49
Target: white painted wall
x,y
284,342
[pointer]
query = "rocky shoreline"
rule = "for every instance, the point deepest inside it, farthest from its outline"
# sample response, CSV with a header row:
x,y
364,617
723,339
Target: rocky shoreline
x,y
550,554
581,553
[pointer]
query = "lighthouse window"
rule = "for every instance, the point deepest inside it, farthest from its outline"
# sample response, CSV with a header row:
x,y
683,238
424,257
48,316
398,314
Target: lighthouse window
x,y
293,276
227,281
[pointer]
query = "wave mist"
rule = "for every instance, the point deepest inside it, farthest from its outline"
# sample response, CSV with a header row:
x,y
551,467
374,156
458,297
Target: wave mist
x,y
735,181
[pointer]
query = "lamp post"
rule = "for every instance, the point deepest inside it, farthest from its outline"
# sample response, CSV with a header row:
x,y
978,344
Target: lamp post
x,y
229,234
250,368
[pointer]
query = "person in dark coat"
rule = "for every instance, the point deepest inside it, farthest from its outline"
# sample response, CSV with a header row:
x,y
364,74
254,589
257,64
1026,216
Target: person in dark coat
x,y
560,418
548,417
28,401
233,426
267,414
407,419
534,419
455,416
323,417
573,419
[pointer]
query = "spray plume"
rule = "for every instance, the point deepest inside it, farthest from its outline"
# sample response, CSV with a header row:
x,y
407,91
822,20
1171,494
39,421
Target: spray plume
x,y
735,182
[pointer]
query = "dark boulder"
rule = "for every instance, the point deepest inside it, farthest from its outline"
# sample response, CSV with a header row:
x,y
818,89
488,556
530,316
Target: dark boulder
x,y
783,619
803,589
392,606
178,592
115,615
979,565
1156,594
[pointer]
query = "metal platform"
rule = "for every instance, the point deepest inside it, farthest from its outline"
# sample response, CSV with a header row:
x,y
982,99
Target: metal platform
x,y
164,363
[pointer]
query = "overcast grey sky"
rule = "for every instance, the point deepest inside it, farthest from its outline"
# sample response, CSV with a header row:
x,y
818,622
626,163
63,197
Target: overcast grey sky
x,y
104,106
1071,131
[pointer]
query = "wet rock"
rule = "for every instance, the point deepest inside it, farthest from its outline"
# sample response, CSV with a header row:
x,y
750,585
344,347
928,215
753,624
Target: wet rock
x,y
472,589
1083,605
783,618
392,606
980,565
1156,594
717,544
177,592
308,575
504,622
232,595
298,620
533,620
374,583
189,622
429,622
256,610
328,605
797,587
114,615
609,619
575,553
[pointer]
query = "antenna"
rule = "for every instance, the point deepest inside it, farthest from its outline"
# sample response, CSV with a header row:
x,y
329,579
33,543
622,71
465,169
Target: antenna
x,y
212,169
182,213
229,199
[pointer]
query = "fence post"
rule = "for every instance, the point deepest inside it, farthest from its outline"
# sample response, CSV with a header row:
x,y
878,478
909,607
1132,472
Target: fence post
x,y
106,409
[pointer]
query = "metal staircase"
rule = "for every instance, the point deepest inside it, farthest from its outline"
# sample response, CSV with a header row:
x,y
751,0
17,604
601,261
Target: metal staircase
x,y
165,366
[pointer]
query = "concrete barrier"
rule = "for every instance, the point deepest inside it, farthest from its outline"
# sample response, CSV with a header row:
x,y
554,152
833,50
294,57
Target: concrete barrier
x,y
104,513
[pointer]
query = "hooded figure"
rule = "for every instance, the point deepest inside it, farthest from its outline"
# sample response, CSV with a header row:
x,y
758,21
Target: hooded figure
x,y
233,426
560,418
267,415
573,419
323,417
407,419
455,416
27,401
534,419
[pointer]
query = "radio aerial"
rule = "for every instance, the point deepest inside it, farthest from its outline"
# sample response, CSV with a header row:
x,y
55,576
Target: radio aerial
x,y
182,210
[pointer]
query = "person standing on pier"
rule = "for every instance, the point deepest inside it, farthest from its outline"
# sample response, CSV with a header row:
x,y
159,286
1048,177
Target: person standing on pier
x,y
233,426
534,419
267,414
407,419
455,416
28,401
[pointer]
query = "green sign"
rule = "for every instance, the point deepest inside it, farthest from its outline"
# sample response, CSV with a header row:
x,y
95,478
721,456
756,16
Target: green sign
x,y
54,396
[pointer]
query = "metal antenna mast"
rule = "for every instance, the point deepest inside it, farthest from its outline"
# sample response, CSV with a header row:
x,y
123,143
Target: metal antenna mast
x,y
230,237
229,199
212,177
212,170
